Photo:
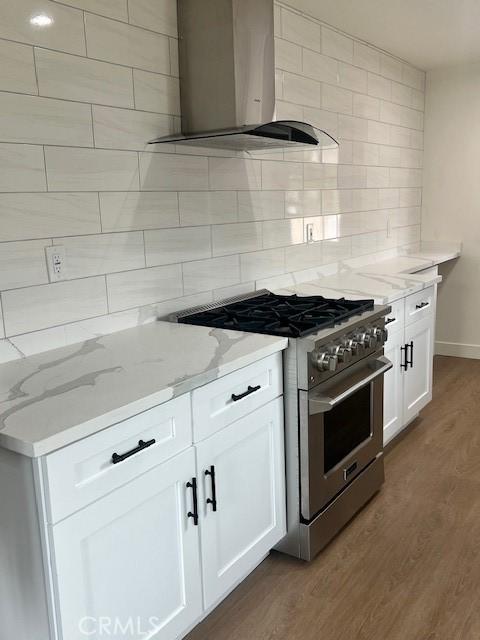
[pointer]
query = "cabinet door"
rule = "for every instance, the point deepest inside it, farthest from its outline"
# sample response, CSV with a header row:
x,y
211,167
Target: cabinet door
x,y
248,462
418,378
129,565
393,387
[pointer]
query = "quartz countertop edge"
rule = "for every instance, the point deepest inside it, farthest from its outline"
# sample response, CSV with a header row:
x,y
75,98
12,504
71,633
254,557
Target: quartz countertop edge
x,y
56,398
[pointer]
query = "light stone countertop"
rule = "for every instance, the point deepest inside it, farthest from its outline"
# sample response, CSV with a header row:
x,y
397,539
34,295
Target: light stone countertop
x,y
430,254
53,399
383,288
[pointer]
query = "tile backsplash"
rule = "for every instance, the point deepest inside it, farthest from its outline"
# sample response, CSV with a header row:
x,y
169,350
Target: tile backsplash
x,y
148,230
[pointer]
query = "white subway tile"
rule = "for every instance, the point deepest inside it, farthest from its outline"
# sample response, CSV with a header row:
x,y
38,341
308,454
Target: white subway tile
x,y
168,246
215,273
262,264
261,205
282,175
73,78
110,8
37,120
343,154
288,56
23,264
319,67
366,57
162,172
156,15
378,177
417,100
337,99
352,128
378,132
405,217
401,116
144,286
22,168
277,20
65,33
351,224
303,256
405,177
235,173
125,44
207,207
337,201
300,30
17,71
288,111
280,233
104,253
401,94
413,77
365,199
320,176
91,169
364,243
48,305
379,87
174,65
366,153
326,120
390,67
352,177
300,90
236,238
410,197
407,235
366,106
157,93
128,129
125,211
352,78
43,215
336,249
303,203
336,45
388,198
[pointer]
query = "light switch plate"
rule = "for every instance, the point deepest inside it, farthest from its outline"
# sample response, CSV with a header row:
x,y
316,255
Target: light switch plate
x,y
56,263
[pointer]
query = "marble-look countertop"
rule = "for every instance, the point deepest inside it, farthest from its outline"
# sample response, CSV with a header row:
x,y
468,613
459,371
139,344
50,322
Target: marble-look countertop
x,y
430,254
53,399
383,288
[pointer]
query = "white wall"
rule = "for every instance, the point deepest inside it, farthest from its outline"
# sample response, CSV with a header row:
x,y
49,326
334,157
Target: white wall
x,y
149,230
451,200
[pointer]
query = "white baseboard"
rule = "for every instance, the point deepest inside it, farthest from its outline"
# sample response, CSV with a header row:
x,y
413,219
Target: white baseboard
x,y
457,350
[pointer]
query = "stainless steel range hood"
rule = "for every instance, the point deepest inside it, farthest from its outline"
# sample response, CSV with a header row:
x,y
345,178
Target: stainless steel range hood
x,y
227,80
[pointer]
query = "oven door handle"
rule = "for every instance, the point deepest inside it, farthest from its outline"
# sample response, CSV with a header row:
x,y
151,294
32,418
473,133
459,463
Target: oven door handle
x,y
320,404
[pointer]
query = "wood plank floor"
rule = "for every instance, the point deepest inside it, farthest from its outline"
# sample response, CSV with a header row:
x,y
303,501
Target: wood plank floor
x,y
408,566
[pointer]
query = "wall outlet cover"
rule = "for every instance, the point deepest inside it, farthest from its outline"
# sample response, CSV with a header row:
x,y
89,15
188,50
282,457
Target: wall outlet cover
x,y
56,262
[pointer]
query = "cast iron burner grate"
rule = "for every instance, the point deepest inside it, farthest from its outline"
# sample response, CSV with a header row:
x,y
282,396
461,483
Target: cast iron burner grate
x,y
289,316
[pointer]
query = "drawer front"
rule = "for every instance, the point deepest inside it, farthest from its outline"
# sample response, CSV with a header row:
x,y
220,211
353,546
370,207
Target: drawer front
x,y
229,398
419,305
84,472
395,320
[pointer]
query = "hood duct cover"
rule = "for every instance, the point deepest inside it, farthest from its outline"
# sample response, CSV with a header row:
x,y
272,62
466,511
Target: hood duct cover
x,y
227,80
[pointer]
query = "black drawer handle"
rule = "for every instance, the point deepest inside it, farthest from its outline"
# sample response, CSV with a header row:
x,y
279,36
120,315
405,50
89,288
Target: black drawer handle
x,y
246,393
422,305
389,320
213,500
193,514
120,457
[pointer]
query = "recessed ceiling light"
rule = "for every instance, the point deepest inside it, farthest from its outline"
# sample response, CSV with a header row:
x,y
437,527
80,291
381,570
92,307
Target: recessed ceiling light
x,y
41,20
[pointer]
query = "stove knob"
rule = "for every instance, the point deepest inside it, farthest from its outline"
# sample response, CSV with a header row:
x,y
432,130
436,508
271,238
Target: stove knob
x,y
344,354
325,361
380,334
358,348
363,340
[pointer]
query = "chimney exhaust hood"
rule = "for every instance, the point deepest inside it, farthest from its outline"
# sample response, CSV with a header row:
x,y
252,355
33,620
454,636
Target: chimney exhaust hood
x,y
227,80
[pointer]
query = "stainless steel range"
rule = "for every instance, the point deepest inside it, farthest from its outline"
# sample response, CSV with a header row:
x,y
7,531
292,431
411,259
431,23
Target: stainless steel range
x,y
333,388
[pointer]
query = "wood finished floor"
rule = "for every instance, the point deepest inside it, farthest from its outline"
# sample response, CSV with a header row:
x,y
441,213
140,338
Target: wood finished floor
x,y
408,566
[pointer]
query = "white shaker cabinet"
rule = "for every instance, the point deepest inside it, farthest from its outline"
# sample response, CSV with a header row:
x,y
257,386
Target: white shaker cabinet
x,y
418,376
242,508
408,385
131,560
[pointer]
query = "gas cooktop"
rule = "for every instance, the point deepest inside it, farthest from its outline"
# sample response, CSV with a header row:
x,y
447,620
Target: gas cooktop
x,y
290,316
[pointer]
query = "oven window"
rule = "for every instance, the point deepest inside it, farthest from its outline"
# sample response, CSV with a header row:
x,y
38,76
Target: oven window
x,y
346,426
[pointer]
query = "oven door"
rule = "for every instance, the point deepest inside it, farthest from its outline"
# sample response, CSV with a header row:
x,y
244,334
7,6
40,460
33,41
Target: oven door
x,y
341,431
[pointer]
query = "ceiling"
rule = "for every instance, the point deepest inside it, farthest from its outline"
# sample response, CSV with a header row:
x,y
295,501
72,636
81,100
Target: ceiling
x,y
427,33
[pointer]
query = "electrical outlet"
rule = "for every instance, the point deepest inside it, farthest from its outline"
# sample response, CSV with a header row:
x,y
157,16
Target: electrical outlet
x,y
56,263
309,229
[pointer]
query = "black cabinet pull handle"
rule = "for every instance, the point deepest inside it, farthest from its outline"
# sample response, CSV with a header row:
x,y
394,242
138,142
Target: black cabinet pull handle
x,y
193,514
422,304
246,393
213,500
410,362
389,320
120,457
404,364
